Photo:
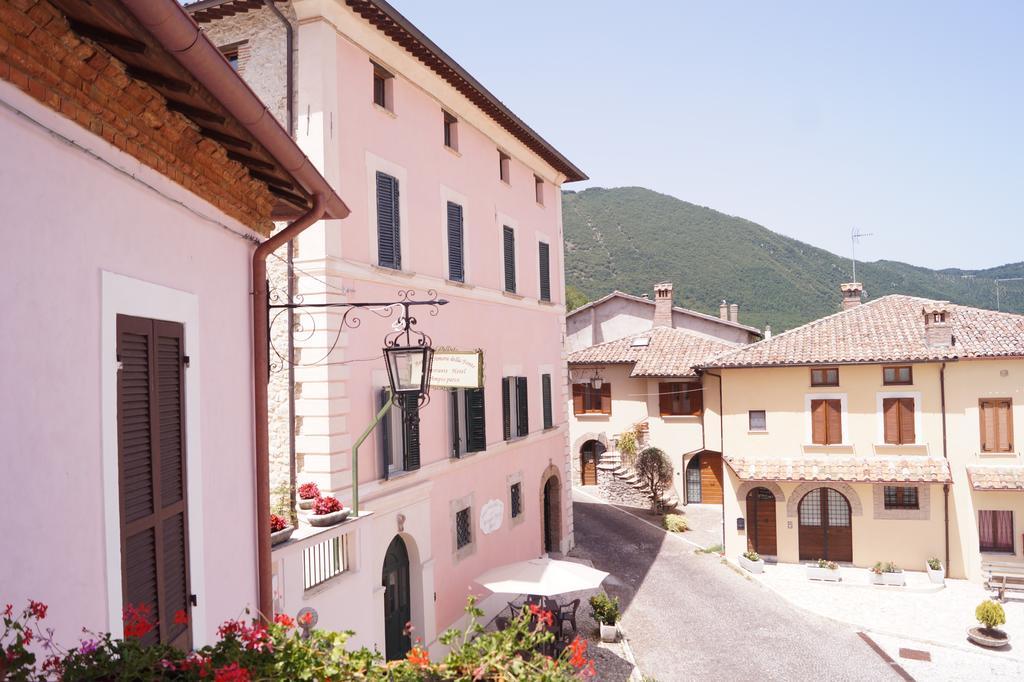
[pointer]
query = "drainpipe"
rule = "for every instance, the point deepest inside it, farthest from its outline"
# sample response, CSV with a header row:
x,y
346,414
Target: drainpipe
x,y
945,455
261,375
721,443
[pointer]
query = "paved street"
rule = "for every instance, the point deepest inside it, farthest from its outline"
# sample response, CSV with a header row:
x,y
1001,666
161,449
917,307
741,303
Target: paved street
x,y
687,616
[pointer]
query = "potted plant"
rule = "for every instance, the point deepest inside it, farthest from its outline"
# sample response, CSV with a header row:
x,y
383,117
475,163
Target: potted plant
x,y
605,611
280,529
824,569
935,571
327,511
887,573
752,561
308,493
991,615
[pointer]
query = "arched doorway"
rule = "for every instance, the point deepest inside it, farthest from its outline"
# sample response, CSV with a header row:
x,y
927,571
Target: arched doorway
x,y
704,478
761,531
397,604
590,455
826,531
552,517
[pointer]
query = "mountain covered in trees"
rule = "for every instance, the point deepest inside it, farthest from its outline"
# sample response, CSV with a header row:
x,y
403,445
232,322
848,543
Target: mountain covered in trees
x,y
628,238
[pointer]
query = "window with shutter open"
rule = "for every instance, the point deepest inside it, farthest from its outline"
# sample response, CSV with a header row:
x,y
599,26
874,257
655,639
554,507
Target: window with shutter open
x,y
389,242
545,271
898,419
456,253
996,425
826,422
680,398
152,475
509,253
589,400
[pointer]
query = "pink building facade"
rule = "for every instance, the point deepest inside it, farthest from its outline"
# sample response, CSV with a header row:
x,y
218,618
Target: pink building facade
x,y
478,207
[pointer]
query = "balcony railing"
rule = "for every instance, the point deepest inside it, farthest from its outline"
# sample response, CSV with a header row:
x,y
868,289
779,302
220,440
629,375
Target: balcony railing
x,y
324,560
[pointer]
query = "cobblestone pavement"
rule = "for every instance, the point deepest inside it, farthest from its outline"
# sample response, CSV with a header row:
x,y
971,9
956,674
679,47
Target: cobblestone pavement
x,y
689,617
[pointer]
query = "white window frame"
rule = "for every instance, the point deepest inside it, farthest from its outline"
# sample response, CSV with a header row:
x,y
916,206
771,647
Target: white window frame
x,y
504,221
880,417
809,418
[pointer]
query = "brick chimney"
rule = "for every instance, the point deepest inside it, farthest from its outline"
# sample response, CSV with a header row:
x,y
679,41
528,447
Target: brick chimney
x,y
851,294
663,304
734,312
938,331
723,310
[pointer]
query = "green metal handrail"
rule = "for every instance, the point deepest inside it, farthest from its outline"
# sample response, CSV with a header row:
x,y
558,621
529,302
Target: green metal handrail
x,y
355,452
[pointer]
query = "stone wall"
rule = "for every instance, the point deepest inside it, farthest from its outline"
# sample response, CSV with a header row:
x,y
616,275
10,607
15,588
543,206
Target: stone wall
x,y
42,56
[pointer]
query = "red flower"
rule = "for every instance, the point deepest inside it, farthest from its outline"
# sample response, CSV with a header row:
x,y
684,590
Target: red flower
x,y
9,611
285,620
231,673
180,617
309,491
229,628
542,615
277,523
578,649
136,620
418,656
37,608
306,619
326,505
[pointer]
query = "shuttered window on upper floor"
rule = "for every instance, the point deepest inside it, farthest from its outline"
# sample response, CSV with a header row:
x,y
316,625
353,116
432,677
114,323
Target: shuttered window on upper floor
x,y
515,408
544,258
996,425
589,400
467,421
509,255
680,398
898,419
826,422
399,432
456,252
152,481
545,391
389,242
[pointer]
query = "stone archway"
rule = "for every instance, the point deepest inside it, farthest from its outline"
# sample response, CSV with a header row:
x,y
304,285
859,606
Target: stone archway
x,y
551,510
774,488
601,438
843,488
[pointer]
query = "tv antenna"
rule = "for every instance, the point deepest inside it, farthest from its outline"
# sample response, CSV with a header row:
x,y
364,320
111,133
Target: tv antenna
x,y
855,236
1004,279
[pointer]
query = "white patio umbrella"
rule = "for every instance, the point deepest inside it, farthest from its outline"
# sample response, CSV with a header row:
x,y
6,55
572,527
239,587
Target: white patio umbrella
x,y
541,577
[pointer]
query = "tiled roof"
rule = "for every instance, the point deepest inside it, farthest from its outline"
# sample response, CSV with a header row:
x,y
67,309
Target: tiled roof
x,y
677,309
669,352
996,476
876,469
887,329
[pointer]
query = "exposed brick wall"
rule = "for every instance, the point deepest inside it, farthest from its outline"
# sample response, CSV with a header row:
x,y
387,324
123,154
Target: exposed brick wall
x,y
42,56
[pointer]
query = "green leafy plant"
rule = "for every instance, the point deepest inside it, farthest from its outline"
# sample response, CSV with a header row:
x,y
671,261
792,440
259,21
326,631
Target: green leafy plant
x,y
655,472
830,565
934,564
710,549
751,555
888,567
604,609
990,614
281,501
675,523
627,444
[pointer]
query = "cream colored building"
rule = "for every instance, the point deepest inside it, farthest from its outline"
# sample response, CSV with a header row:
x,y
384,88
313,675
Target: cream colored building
x,y
643,376
881,433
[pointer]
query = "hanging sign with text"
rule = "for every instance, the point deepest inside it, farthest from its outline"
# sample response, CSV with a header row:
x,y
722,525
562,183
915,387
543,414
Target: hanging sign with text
x,y
457,369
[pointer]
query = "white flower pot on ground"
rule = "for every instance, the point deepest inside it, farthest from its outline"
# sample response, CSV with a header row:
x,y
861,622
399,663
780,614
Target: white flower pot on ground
x,y
609,633
752,566
937,576
894,579
819,573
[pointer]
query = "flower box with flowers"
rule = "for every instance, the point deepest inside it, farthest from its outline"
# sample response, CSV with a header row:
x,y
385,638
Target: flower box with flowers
x,y
280,529
327,511
887,573
752,561
824,570
308,494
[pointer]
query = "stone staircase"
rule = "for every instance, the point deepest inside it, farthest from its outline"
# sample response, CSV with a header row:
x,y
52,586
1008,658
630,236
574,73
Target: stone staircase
x,y
620,484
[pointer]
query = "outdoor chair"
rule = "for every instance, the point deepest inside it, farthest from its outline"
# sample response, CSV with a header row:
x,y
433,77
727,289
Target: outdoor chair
x,y
567,614
515,609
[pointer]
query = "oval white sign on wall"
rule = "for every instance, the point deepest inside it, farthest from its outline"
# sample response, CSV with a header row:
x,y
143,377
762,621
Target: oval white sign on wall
x,y
491,515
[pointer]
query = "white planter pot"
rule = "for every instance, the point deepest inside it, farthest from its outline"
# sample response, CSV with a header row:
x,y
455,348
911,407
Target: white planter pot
x,y
752,566
936,576
305,504
818,573
331,519
896,579
609,633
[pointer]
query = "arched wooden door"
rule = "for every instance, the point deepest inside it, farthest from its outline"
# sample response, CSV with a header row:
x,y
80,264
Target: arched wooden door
x,y
590,453
397,605
826,530
761,533
693,487
552,516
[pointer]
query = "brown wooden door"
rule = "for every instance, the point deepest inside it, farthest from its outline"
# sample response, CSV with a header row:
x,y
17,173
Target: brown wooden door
x,y
761,534
826,530
589,454
711,478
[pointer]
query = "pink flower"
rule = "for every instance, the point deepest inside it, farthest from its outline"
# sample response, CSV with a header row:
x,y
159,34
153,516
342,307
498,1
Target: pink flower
x,y
309,491
231,673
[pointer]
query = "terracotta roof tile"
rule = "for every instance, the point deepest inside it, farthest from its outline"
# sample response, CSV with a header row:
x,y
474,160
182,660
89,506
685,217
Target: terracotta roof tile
x,y
877,469
996,476
669,352
887,329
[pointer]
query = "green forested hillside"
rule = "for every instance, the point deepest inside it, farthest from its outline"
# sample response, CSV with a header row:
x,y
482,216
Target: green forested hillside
x,y
628,238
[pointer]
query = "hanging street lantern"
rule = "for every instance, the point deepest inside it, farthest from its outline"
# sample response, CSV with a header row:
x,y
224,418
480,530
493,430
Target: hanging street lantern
x,y
409,369
596,381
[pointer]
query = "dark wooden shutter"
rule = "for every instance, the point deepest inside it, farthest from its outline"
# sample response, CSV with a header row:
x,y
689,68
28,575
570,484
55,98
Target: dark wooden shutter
x,y
666,393
506,407
152,475
834,420
695,398
545,271
907,435
389,243
476,422
577,399
522,408
819,422
456,270
606,398
545,396
411,432
386,437
891,420
453,421
509,240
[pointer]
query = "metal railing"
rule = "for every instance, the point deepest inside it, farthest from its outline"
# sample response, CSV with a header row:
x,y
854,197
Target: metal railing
x,y
324,560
